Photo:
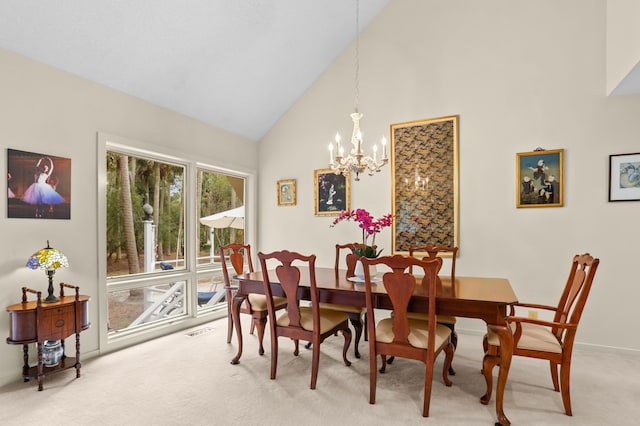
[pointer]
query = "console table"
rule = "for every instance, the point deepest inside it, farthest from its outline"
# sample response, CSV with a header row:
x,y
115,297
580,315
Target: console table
x,y
36,322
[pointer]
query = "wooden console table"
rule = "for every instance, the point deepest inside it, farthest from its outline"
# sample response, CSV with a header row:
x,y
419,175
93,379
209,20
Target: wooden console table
x,y
35,322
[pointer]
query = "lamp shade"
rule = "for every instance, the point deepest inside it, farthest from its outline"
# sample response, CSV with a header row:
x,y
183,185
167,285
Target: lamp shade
x,y
48,258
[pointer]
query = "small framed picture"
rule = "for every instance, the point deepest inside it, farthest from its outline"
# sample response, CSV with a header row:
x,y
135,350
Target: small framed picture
x,y
540,178
331,192
624,177
287,192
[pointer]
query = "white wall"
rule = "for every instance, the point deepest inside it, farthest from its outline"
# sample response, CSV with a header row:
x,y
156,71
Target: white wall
x,y
623,41
45,110
520,74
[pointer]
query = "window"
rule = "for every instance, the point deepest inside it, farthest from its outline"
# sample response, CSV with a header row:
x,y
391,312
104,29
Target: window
x,y
164,219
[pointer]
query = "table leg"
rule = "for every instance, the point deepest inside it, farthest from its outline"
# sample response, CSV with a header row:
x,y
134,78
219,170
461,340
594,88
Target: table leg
x,y
238,299
506,349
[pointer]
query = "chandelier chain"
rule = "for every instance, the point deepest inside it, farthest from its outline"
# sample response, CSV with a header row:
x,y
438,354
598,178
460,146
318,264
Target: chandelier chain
x,y
355,161
357,75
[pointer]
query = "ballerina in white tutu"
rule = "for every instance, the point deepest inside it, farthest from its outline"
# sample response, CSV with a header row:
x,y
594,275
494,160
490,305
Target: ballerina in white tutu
x,y
40,193
10,193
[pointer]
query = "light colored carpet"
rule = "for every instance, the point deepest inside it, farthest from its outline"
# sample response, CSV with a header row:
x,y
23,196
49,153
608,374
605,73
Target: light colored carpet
x,y
188,380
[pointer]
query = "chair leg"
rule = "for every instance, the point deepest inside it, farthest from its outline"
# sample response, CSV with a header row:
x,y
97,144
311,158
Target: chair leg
x,y
554,375
274,354
229,321
366,328
564,383
384,363
428,382
356,322
315,361
261,324
347,341
454,340
449,351
373,371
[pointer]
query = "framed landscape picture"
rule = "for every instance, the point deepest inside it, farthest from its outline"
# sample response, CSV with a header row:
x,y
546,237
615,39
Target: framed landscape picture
x,y
38,186
624,177
540,178
287,192
331,192
424,167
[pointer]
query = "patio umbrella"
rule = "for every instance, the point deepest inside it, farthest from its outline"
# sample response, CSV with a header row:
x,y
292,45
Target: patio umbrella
x,y
233,218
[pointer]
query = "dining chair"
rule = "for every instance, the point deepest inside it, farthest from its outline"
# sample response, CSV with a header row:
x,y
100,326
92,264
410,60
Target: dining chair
x,y
399,335
309,323
543,339
432,251
354,312
255,304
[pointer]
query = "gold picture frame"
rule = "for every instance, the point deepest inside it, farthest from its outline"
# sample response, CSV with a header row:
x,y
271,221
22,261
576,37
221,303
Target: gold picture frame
x,y
287,192
540,178
424,180
331,192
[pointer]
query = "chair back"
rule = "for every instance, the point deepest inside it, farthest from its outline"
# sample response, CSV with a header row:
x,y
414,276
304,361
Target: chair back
x,y
237,254
400,285
576,291
289,277
433,250
350,258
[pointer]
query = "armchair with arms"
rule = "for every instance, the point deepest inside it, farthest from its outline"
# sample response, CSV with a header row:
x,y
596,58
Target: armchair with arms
x,y
548,340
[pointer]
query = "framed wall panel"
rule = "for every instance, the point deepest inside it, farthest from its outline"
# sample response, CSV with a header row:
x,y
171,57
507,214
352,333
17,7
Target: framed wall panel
x,y
424,174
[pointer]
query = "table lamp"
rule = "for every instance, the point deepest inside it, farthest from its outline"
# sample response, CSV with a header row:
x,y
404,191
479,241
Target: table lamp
x,y
48,259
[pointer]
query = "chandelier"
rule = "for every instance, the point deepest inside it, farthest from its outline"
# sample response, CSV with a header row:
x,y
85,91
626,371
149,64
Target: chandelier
x,y
356,161
418,184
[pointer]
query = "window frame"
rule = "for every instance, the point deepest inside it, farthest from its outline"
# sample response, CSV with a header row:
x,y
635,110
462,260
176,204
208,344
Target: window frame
x,y
192,316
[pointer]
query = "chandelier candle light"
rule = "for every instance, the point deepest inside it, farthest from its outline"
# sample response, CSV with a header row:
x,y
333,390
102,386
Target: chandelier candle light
x,y
48,259
356,161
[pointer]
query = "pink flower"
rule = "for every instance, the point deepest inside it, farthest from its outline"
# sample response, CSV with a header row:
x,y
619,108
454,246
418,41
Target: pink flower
x,y
369,226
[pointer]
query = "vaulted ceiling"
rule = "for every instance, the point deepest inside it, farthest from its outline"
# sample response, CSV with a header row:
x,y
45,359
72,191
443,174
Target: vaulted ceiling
x,y
234,64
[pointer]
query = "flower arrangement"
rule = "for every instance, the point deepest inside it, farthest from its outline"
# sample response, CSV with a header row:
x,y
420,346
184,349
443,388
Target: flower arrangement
x,y
370,227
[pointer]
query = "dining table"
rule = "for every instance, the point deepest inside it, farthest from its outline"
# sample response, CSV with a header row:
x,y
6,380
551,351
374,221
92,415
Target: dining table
x,y
483,298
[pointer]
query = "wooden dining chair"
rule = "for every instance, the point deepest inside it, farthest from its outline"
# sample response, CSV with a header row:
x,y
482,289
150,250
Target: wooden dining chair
x,y
548,340
400,336
309,323
432,251
255,304
355,313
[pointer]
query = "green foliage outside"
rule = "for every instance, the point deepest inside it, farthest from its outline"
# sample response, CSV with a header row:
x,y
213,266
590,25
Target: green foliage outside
x,y
161,185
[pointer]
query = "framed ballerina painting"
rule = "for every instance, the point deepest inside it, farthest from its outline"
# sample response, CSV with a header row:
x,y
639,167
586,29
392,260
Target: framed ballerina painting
x,y
38,186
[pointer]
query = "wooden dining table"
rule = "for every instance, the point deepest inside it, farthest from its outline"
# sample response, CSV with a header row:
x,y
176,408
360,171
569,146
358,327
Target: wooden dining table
x,y
470,297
